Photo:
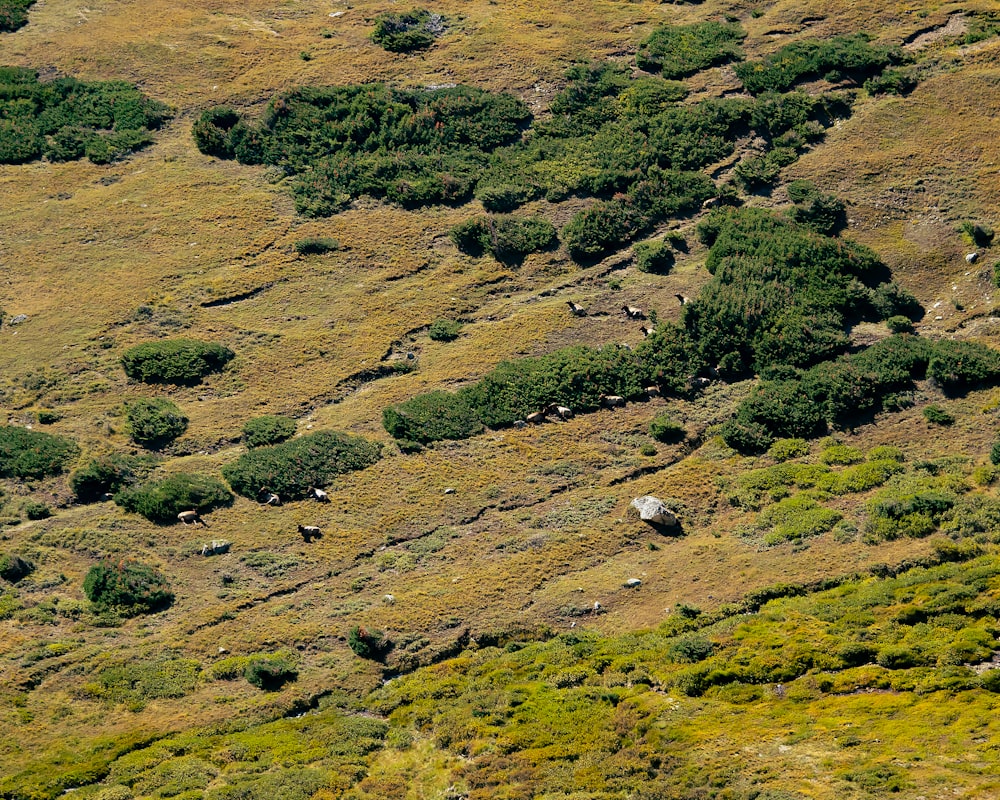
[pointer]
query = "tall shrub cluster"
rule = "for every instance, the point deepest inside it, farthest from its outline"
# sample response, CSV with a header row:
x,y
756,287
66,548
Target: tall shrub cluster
x,y
292,468
127,587
66,119
676,51
403,32
183,362
33,454
161,501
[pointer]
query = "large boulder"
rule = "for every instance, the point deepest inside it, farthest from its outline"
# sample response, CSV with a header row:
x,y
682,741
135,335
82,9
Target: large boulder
x,y
652,510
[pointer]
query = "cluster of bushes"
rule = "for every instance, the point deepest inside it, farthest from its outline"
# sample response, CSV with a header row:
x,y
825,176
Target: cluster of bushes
x,y
292,468
574,376
183,362
654,257
824,213
507,238
66,119
676,51
368,643
803,403
162,500
411,147
107,474
33,454
14,14
403,32
127,588
836,58
154,422
268,429
14,568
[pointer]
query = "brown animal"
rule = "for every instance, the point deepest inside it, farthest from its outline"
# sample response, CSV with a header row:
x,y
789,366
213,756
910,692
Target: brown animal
x,y
268,498
562,412
612,401
632,312
537,418
310,532
191,517
576,309
652,391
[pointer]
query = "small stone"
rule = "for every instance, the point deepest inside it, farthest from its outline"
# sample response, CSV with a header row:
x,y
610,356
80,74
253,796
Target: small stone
x,y
632,583
18,319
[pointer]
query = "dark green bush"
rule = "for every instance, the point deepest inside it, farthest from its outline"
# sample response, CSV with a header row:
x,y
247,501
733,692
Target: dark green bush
x,y
212,129
154,422
33,454
292,468
960,365
35,510
824,213
676,51
316,246
65,118
14,568
161,501
403,32
127,588
836,58
270,672
183,362
899,324
268,429
664,428
508,239
368,643
655,257
995,452
892,81
444,330
938,415
106,475
431,417
47,416
14,14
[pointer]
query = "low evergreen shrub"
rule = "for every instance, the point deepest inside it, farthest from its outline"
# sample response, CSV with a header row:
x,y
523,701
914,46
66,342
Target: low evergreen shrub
x,y
14,14
654,257
183,362
290,469
127,588
316,246
33,454
270,672
676,51
444,330
107,474
154,422
507,238
664,428
162,500
368,643
431,417
267,430
14,568
35,510
404,32
937,415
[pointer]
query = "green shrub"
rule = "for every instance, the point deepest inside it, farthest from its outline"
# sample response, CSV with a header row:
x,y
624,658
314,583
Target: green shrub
x,y
368,643
154,422
836,57
841,454
14,568
14,14
135,683
444,330
212,131
507,238
33,454
995,452
161,501
403,32
960,365
127,588
937,415
183,362
64,119
35,510
267,430
786,449
823,213
676,51
899,324
106,475
47,416
654,257
892,81
431,417
270,673
316,246
292,468
664,428
795,518
977,234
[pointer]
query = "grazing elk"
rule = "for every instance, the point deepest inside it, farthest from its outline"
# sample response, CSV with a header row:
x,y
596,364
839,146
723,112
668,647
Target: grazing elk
x,y
268,498
536,418
562,412
191,517
612,401
319,494
576,309
652,391
632,312
310,532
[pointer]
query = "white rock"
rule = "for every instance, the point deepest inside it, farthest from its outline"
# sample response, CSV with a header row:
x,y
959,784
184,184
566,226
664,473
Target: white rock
x,y
632,583
651,509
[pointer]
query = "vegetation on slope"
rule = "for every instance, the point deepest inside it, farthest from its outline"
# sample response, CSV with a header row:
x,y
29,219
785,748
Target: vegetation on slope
x,y
14,14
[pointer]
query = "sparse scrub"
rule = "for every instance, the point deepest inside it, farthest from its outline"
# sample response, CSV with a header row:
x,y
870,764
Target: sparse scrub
x,y
444,330
316,246
368,643
654,257
33,454
270,672
267,430
184,362
404,32
154,422
127,588
161,501
292,468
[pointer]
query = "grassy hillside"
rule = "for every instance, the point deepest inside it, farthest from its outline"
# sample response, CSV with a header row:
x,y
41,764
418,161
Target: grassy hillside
x,y
480,560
